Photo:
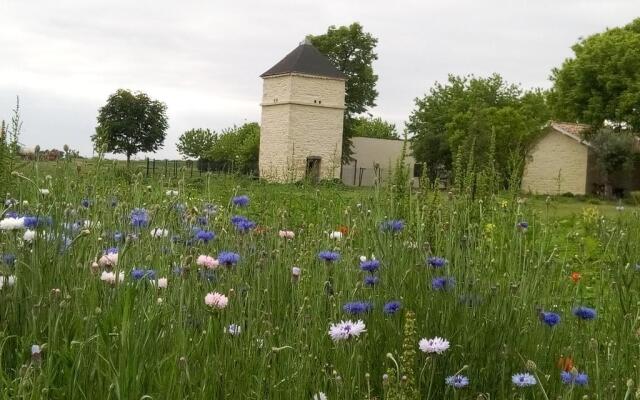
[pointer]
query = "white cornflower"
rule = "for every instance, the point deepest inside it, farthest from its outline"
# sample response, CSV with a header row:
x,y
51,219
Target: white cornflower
x,y
172,192
337,235
159,233
233,330
163,283
29,235
10,224
346,329
44,191
111,277
319,396
436,345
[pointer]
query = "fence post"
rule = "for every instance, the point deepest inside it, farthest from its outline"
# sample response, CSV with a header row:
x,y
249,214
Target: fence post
x,y
147,167
175,168
154,167
166,167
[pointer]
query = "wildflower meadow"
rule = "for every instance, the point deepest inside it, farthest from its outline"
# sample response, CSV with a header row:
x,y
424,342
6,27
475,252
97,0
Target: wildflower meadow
x,y
117,286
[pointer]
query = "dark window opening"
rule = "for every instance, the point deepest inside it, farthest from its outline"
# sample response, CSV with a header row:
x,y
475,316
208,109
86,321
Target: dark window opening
x,y
312,170
418,170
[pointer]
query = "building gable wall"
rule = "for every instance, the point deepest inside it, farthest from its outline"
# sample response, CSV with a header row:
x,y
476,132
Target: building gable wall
x,y
557,164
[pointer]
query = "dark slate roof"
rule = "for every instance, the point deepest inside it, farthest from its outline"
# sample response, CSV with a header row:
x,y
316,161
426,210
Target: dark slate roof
x,y
305,59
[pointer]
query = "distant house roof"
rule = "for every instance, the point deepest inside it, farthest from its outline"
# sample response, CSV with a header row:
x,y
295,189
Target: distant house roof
x,y
305,59
572,130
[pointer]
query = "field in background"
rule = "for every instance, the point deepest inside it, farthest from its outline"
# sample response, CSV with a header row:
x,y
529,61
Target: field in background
x,y
135,339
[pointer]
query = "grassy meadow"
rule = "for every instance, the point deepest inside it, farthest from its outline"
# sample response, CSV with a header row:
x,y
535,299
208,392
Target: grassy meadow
x,y
500,278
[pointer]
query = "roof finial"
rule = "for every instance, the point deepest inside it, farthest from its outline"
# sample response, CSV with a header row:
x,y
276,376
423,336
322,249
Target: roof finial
x,y
307,40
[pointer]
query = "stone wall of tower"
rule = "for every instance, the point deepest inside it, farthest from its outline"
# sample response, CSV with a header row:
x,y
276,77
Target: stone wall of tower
x,y
302,116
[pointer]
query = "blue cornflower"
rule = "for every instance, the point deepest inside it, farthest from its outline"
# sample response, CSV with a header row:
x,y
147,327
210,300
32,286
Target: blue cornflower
x,y
8,259
522,225
580,379
32,222
357,307
86,203
392,307
139,217
371,280
241,201
236,219
111,250
585,313
392,225
180,208
228,258
443,283
457,381
11,214
242,224
205,236
549,318
437,262
202,220
329,256
137,273
118,236
370,265
523,380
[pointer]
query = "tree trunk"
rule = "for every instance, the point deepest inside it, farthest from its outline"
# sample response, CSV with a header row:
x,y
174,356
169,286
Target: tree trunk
x,y
128,159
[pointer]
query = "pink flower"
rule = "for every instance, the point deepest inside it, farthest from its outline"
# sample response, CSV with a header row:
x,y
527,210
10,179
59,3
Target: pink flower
x,y
207,261
216,300
286,234
108,260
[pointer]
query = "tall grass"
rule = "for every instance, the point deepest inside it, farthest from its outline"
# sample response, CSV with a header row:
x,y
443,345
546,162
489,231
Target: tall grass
x,y
121,342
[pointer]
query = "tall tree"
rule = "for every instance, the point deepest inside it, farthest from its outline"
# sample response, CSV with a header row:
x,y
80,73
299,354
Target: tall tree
x,y
614,153
236,148
130,123
196,143
471,118
352,51
374,128
602,81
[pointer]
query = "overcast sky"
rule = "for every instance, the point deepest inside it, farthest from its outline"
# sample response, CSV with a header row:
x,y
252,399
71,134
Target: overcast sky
x,y
202,58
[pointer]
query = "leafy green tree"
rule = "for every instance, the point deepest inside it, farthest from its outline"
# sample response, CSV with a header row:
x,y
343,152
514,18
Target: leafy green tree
x,y
614,153
485,121
352,51
374,128
130,123
237,149
601,82
196,143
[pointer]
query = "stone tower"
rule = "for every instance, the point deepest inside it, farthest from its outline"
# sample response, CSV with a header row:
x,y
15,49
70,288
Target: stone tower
x,y
302,117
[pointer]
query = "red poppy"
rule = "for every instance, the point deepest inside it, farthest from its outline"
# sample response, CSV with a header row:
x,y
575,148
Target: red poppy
x,y
575,277
344,230
565,363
